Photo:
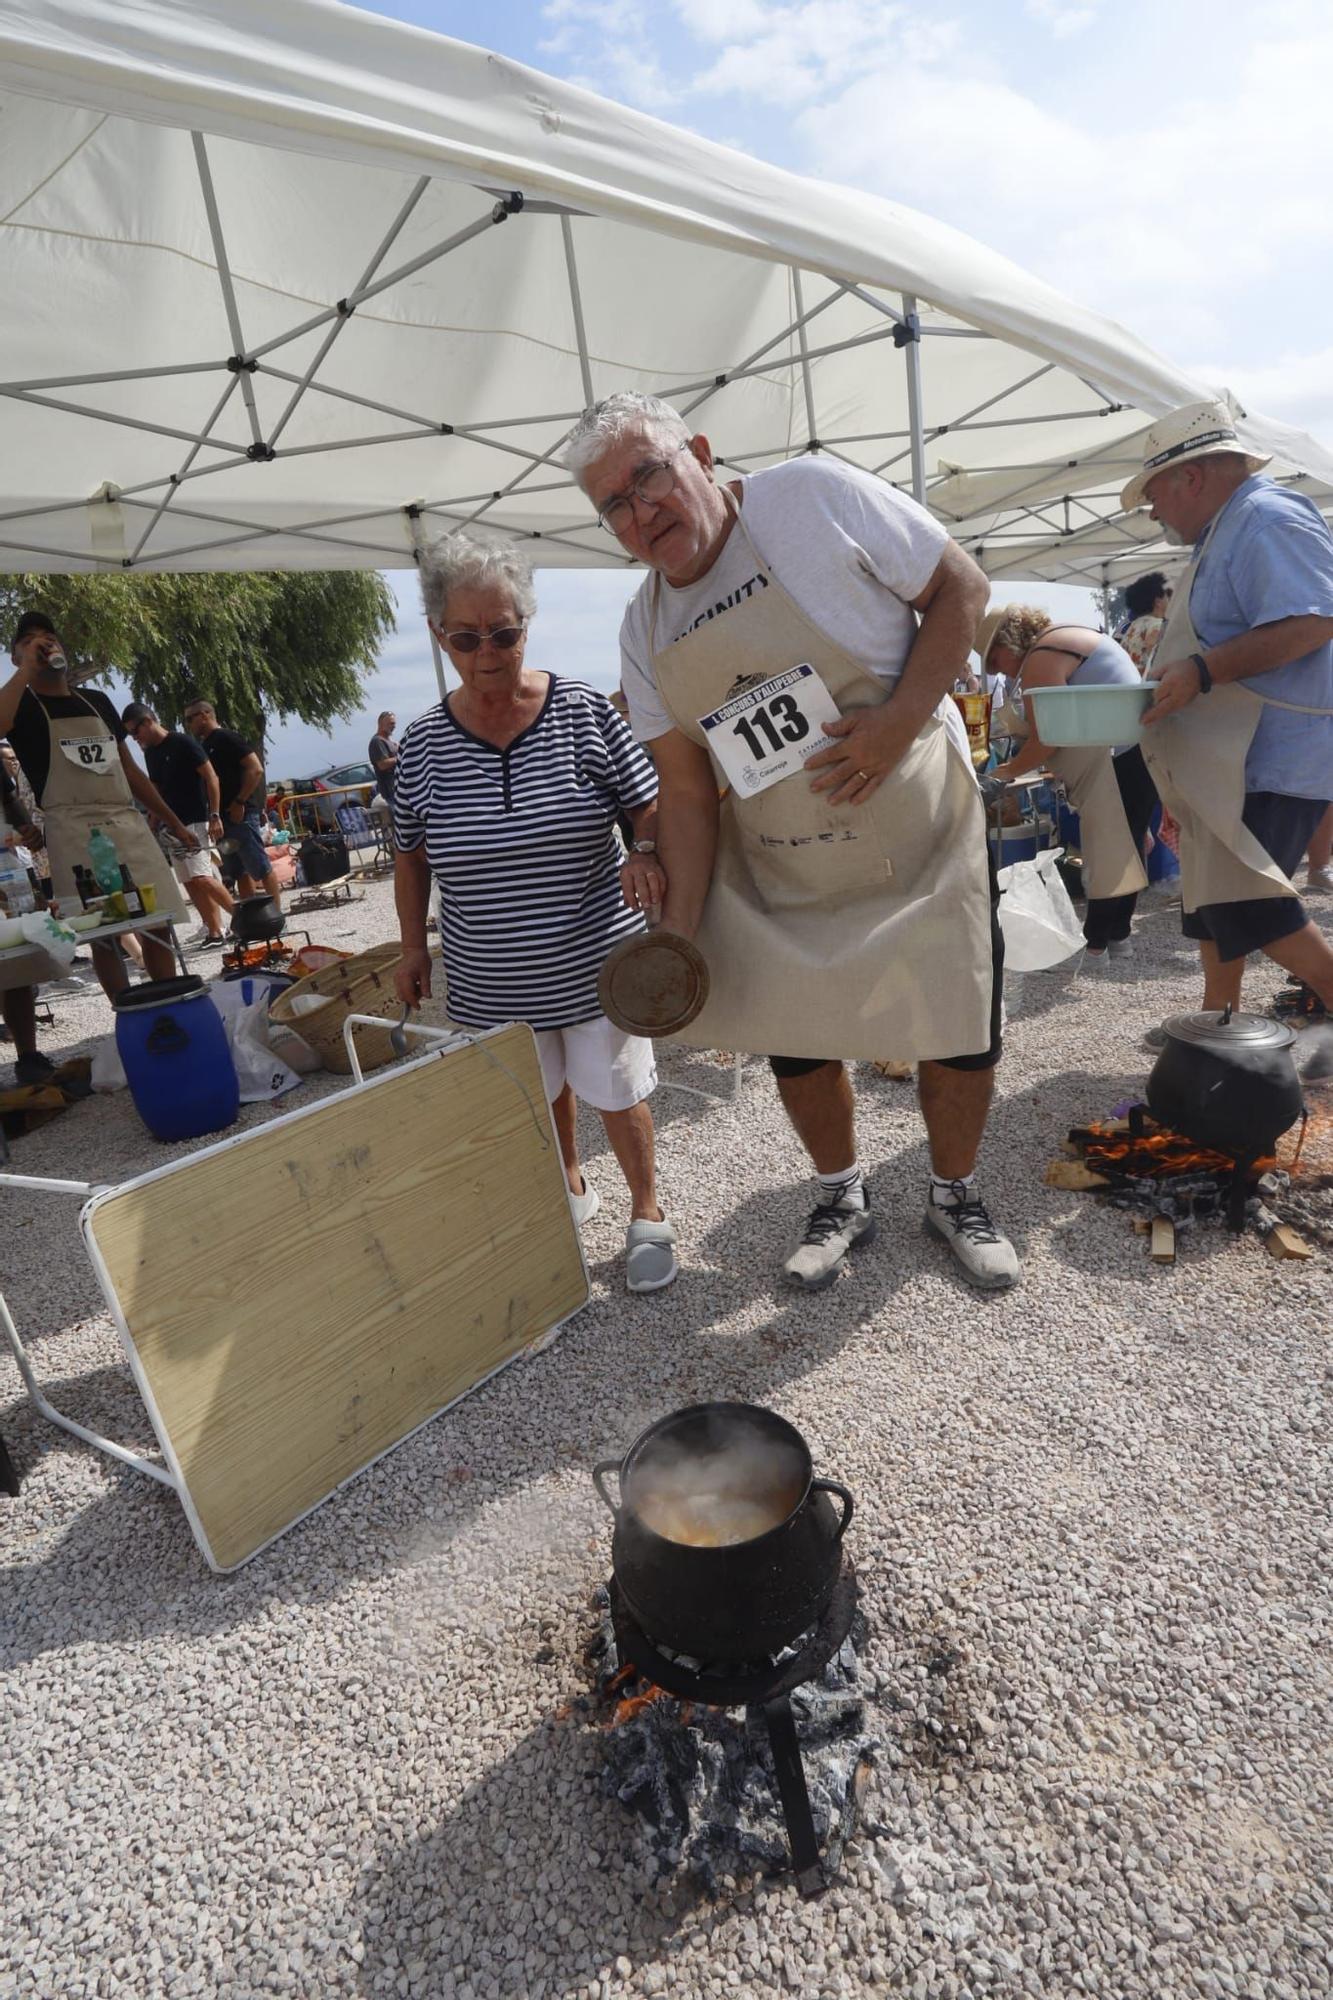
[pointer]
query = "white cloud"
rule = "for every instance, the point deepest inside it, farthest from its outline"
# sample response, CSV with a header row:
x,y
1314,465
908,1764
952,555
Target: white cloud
x,y
1294,386
1062,19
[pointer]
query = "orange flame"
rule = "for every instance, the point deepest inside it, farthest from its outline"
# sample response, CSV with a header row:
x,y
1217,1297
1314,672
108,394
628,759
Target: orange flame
x,y
1156,1153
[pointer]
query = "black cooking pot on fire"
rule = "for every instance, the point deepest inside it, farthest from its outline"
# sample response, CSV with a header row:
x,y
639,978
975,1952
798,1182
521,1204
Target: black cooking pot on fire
x,y
726,1546
256,919
1227,1081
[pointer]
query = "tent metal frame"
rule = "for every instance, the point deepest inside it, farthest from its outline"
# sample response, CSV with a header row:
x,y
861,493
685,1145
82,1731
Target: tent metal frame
x,y
1014,518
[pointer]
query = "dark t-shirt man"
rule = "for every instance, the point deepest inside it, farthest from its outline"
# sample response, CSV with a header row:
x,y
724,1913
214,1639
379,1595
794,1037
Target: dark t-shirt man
x,y
226,752
30,732
380,747
174,765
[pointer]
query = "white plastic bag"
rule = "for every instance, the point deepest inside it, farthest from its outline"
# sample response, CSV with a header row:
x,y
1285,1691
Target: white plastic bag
x,y
1036,916
243,1005
108,1071
57,940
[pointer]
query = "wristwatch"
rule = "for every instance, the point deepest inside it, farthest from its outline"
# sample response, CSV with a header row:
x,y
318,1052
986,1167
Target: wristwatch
x,y
1205,678
644,847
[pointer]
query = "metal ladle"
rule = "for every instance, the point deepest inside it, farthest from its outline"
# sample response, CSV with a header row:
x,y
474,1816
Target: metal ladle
x,y
397,1034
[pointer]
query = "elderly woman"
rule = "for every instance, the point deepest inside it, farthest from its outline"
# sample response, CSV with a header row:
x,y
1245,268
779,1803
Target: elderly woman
x,y
507,793
1112,793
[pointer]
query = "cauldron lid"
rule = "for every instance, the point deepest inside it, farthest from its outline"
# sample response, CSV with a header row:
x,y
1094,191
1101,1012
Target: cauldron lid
x,y
653,984
1223,1029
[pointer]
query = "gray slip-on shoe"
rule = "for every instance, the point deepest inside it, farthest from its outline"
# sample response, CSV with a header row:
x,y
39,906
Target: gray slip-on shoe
x,y
650,1260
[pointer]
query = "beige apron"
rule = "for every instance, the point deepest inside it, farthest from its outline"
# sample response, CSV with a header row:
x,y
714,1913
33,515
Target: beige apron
x,y
1112,866
857,931
1197,759
86,787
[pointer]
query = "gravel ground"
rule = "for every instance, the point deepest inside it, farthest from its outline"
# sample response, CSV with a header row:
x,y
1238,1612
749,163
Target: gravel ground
x,y
349,1769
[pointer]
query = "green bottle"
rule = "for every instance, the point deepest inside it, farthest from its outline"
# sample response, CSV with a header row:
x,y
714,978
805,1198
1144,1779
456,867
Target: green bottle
x,y
106,866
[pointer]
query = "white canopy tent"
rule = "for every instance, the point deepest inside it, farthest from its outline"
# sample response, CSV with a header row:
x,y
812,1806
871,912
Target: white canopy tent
x,y
289,285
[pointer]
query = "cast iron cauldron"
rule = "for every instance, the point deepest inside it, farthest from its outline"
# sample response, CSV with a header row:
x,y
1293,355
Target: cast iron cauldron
x,y
747,1598
257,918
1227,1081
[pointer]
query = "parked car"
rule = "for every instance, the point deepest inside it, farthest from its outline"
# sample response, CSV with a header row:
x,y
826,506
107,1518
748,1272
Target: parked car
x,y
343,784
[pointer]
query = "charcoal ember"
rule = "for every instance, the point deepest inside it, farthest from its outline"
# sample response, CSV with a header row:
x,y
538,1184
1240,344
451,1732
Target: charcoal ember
x,y
701,1780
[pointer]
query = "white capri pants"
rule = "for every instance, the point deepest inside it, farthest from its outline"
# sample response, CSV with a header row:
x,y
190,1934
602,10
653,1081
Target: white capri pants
x,y
606,1068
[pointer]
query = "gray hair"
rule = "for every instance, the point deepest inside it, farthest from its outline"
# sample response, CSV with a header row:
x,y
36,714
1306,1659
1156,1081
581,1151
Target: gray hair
x,y
617,417
459,562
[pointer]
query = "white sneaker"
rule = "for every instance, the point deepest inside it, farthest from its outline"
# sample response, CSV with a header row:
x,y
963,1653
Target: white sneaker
x,y
834,1228
585,1205
985,1253
1121,948
1095,958
1319,878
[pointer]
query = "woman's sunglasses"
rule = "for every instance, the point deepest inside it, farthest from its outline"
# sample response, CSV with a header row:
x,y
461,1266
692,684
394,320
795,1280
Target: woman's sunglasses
x,y
504,638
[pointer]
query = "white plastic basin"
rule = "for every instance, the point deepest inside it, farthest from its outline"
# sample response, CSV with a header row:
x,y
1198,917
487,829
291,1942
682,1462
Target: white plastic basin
x,y
1072,717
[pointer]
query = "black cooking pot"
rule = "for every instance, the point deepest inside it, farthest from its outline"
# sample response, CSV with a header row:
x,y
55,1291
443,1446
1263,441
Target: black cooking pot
x,y
744,1599
255,919
1227,1081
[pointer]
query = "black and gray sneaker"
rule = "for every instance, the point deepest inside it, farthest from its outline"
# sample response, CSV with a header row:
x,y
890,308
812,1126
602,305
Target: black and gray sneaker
x,y
33,1068
985,1253
834,1228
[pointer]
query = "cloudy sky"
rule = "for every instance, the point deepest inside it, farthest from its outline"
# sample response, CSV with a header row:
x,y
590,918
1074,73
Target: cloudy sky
x,y
1167,164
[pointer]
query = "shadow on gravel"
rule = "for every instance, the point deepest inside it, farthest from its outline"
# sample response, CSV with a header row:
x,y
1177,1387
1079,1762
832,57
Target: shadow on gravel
x,y
527,1886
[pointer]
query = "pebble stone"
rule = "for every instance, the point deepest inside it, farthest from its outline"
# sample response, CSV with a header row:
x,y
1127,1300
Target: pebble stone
x,y
1092,1529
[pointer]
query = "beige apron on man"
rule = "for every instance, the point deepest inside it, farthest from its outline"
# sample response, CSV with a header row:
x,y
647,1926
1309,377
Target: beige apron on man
x,y
86,787
1197,760
860,931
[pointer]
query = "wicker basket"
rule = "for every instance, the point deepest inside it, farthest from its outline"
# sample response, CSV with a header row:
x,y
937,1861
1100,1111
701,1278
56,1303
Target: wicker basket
x,y
360,985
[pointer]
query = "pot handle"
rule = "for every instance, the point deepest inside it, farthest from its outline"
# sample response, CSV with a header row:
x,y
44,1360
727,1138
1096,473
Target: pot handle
x,y
599,1472
832,1486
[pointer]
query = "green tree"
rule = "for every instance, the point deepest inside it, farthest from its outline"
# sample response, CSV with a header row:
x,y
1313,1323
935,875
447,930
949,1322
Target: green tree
x,y
258,644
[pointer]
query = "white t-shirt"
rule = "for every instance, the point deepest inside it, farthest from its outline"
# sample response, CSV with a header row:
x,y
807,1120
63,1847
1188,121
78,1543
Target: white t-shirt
x,y
850,550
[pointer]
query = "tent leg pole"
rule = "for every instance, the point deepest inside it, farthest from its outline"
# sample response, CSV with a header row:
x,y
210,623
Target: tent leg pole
x,y
438,658
912,355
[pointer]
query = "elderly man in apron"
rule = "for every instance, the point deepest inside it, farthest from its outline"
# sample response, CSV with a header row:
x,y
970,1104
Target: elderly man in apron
x,y
71,746
1239,738
839,888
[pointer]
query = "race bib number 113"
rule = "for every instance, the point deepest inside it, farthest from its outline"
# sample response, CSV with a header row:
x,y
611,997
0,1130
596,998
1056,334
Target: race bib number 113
x,y
767,732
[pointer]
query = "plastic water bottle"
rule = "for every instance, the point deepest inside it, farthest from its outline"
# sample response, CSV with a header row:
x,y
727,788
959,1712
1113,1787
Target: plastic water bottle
x,y
106,866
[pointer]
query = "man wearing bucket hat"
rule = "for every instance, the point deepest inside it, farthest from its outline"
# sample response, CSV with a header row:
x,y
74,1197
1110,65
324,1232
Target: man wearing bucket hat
x,y
794,644
1239,738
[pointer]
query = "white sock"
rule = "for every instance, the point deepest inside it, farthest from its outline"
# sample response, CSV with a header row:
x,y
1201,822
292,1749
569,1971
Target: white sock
x,y
945,1193
847,1185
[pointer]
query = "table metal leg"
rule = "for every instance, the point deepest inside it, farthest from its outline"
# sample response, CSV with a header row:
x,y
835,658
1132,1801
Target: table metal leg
x,y
48,1409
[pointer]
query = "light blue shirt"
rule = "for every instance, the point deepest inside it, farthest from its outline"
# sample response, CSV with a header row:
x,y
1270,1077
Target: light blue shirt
x,y
1270,556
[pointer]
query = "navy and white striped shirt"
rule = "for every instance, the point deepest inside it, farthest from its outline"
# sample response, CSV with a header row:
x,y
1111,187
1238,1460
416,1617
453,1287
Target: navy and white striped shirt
x,y
522,844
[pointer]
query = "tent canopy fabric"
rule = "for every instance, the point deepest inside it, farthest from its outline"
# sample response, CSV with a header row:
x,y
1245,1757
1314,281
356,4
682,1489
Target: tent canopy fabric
x,y
289,285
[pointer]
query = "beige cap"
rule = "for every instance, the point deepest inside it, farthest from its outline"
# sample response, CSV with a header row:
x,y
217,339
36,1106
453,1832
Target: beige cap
x,y
1196,431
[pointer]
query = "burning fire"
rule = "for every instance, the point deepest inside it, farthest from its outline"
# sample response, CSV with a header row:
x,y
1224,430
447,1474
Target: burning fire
x,y
1153,1153
627,1706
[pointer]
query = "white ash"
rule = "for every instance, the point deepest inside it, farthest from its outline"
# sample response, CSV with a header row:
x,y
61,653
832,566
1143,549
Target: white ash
x,y
700,1781
341,1772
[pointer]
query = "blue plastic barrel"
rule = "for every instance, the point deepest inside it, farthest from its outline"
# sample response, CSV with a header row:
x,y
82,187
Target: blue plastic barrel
x,y
177,1062
1016,843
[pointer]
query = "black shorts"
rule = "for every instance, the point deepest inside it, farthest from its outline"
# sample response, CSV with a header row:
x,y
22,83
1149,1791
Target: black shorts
x,y
987,1058
1284,828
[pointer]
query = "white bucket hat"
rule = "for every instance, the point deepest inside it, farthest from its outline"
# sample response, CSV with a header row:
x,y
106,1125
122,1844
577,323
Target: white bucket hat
x,y
1196,431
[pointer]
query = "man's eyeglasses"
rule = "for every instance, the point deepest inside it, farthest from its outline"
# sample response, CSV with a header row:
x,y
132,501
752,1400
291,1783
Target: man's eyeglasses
x,y
652,484
503,637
